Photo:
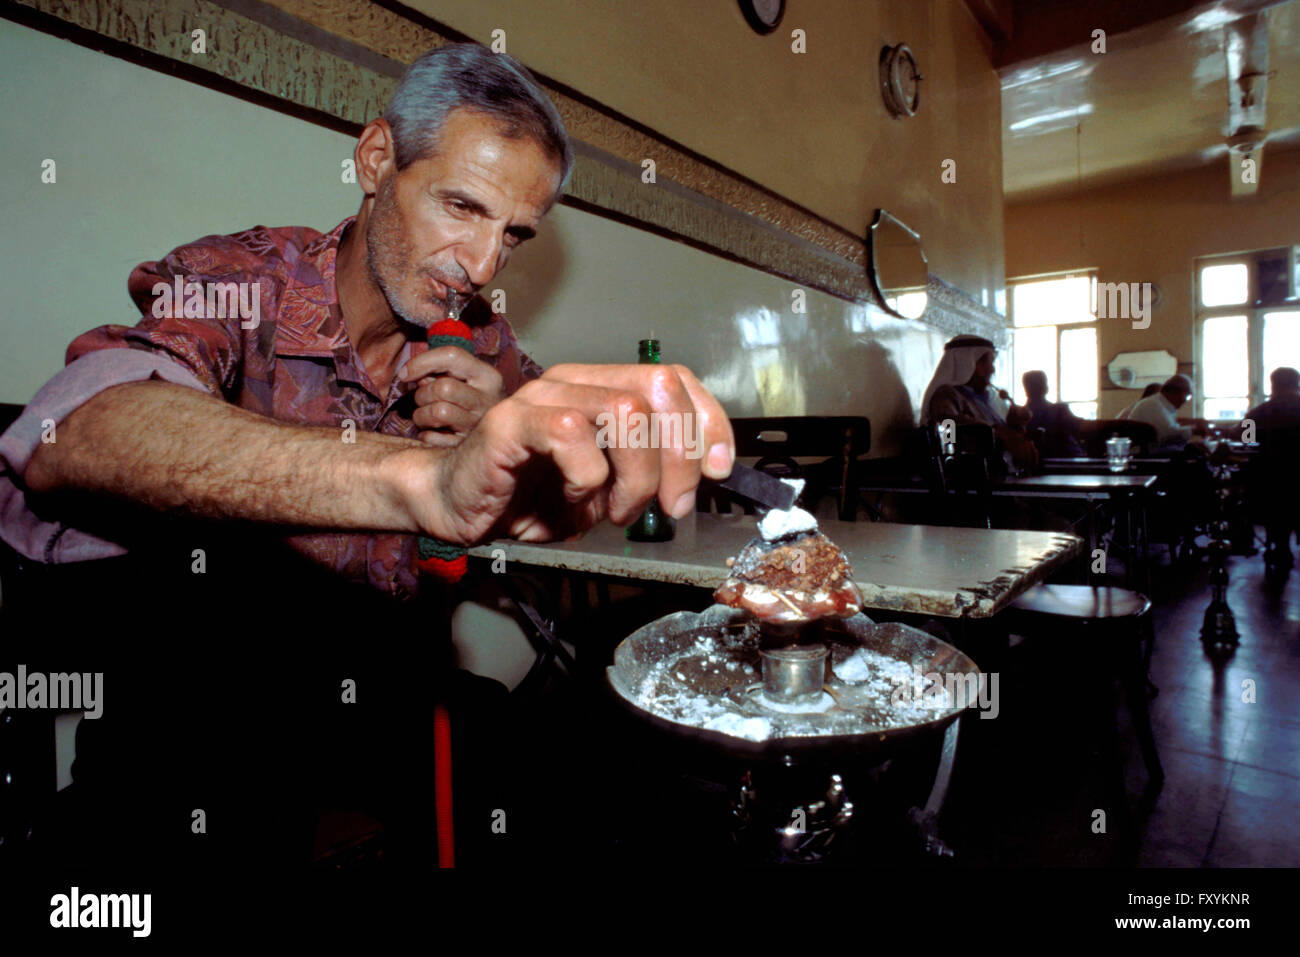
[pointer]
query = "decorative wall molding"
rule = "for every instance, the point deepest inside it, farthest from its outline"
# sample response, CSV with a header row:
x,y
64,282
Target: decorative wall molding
x,y
341,59
950,309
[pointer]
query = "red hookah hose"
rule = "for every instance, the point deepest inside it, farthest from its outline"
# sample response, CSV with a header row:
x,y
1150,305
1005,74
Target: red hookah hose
x,y
442,785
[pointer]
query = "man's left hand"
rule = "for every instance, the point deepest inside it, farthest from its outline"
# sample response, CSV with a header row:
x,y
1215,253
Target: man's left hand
x,y
456,390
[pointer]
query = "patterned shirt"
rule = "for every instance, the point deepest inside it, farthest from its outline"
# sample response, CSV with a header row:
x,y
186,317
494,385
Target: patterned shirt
x,y
286,355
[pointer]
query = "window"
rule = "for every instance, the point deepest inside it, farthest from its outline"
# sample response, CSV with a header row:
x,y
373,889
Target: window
x,y
1056,331
1281,343
1242,334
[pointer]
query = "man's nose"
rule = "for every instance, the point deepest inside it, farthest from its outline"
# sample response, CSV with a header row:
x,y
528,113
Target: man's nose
x,y
480,255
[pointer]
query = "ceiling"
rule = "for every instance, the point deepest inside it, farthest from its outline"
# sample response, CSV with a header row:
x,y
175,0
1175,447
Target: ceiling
x,y
1157,99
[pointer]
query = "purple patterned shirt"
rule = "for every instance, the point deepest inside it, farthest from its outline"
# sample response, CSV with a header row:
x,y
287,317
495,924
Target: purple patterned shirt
x,y
294,364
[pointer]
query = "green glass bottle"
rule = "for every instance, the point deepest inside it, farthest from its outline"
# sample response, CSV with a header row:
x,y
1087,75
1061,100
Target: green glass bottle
x,y
654,525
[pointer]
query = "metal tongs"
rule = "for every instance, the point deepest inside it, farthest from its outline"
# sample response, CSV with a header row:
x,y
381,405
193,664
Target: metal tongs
x,y
760,487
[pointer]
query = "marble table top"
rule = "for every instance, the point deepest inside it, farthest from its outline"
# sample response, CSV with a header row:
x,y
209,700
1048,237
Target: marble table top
x,y
924,569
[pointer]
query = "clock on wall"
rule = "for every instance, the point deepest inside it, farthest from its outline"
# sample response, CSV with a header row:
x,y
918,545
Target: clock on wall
x,y
763,15
900,80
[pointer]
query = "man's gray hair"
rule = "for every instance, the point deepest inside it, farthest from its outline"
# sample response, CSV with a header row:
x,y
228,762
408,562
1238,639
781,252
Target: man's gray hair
x,y
470,76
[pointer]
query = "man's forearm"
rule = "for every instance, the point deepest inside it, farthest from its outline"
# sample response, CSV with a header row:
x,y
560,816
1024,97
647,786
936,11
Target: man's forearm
x,y
178,450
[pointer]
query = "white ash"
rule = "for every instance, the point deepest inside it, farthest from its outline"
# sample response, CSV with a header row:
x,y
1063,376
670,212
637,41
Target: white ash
x,y
869,691
823,703
783,523
739,726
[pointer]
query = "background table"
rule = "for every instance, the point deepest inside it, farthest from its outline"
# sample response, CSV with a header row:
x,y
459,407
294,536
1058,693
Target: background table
x,y
1128,492
1087,487
921,569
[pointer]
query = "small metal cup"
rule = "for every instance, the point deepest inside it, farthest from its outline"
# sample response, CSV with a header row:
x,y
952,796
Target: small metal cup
x,y
794,674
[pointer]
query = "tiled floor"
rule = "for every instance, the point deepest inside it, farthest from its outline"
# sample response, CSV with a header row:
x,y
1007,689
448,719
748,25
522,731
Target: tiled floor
x,y
1228,734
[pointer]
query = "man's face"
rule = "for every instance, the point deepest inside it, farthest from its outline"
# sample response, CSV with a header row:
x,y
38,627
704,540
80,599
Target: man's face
x,y
1178,397
452,219
984,367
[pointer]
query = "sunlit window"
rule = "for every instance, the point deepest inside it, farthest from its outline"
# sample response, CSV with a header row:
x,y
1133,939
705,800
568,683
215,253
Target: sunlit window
x,y
1042,302
1247,325
1281,343
1079,364
1225,364
1056,332
1224,285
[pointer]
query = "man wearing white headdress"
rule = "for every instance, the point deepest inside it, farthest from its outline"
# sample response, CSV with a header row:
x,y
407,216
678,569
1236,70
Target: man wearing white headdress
x,y
960,391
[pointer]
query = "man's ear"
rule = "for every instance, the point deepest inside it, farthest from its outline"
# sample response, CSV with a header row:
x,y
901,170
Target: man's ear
x,y
375,155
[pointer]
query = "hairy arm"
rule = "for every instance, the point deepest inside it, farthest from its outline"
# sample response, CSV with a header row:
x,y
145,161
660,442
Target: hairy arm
x,y
175,449
531,468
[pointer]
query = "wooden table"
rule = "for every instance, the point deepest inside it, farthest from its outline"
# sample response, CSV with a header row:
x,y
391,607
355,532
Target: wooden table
x,y
1129,493
923,569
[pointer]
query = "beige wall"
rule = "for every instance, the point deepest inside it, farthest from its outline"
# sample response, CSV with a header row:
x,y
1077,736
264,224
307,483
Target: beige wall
x,y
144,163
810,126
130,189
1151,230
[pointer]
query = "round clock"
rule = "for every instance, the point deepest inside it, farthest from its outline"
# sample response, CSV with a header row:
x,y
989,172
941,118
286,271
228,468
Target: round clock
x,y
763,15
900,80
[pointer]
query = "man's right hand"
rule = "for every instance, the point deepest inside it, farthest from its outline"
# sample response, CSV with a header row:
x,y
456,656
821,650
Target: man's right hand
x,y
533,470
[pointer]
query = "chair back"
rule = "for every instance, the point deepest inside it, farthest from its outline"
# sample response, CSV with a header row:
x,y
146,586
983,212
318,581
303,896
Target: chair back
x,y
922,454
970,474
838,440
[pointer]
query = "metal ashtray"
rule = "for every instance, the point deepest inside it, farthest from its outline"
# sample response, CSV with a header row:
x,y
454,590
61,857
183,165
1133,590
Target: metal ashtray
x,y
862,687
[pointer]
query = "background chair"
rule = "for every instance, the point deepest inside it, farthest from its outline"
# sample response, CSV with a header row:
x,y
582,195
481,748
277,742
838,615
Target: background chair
x,y
1116,624
778,442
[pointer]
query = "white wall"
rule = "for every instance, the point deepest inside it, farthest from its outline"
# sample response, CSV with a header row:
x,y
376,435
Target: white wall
x,y
146,162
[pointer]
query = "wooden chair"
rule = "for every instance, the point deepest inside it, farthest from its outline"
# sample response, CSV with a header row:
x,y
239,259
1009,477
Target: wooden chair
x,y
778,442
1118,624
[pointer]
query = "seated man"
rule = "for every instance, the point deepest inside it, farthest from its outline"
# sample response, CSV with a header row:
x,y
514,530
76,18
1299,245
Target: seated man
x,y
959,391
1277,429
1160,411
308,430
1060,425
1150,390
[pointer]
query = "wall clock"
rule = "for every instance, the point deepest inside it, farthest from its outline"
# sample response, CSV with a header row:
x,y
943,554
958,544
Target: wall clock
x,y
763,15
900,80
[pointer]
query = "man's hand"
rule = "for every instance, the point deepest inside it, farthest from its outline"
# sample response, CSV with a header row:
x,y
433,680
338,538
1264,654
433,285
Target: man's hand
x,y
534,470
456,390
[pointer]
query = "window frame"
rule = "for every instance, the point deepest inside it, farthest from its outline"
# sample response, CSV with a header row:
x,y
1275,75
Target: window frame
x,y
1091,274
1252,308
